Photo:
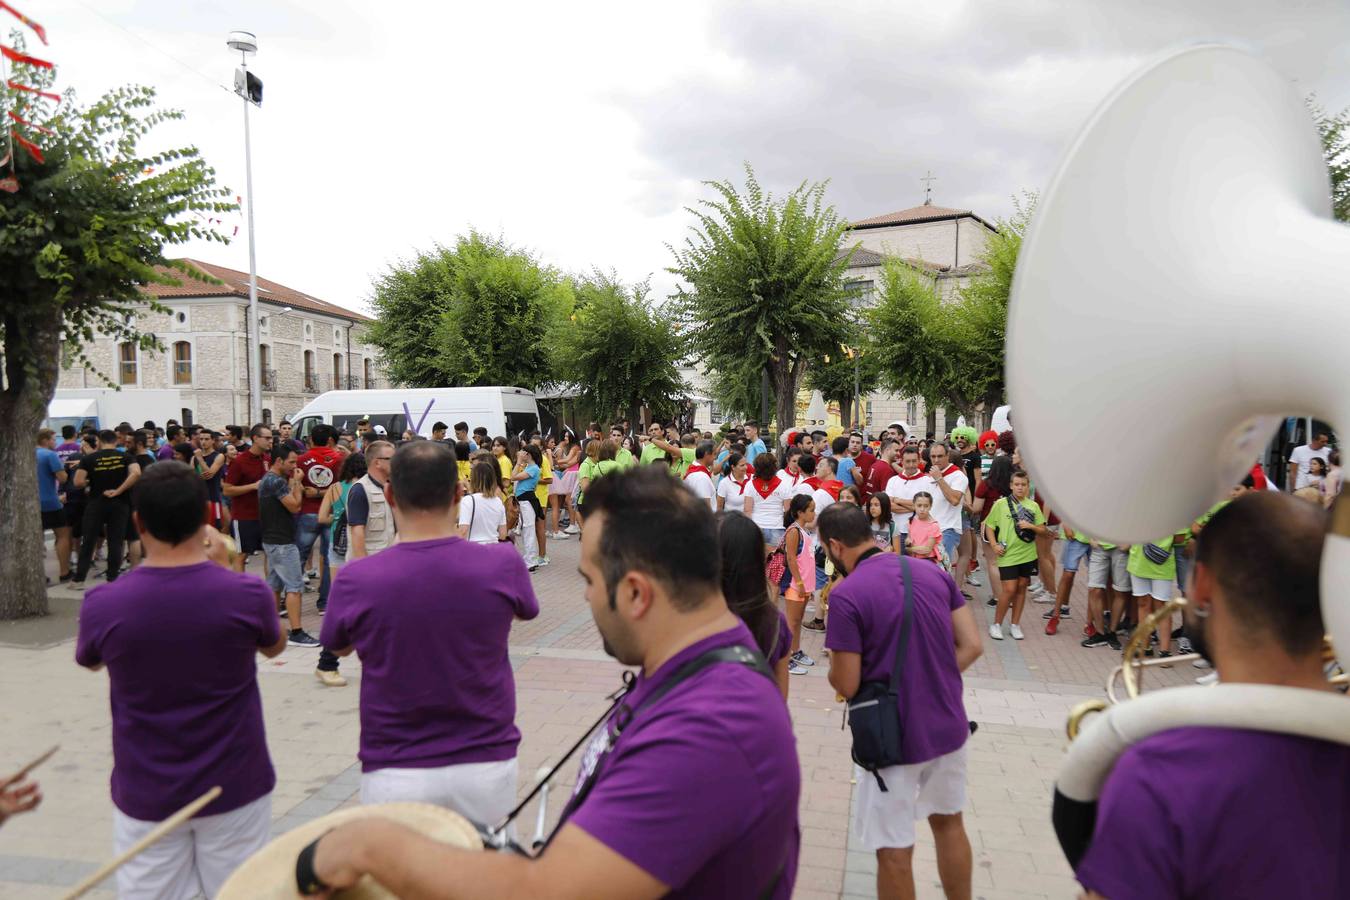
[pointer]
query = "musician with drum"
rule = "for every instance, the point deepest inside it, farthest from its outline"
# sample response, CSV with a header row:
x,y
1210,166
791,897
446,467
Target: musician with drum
x,y
1236,812
690,787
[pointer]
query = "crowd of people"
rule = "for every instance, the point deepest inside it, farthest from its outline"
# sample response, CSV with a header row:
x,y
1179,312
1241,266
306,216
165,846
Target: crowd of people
x,y
692,545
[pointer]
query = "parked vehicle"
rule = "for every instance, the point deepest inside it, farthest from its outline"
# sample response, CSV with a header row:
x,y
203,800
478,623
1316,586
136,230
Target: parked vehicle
x,y
501,410
107,407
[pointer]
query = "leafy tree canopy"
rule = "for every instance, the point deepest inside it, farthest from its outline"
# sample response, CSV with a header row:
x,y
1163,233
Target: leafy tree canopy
x,y
1334,129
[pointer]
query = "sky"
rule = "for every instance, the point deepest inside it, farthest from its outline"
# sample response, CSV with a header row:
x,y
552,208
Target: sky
x,y
581,132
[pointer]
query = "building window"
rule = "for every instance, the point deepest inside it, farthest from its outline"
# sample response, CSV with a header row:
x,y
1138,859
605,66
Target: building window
x,y
370,382
911,412
182,363
310,381
861,293
715,412
126,357
267,416
337,372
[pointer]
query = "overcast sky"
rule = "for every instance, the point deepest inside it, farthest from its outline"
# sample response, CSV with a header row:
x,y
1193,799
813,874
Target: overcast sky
x,y
580,131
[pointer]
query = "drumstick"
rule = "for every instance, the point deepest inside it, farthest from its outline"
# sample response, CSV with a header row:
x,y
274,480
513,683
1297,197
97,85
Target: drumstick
x,y
17,776
159,831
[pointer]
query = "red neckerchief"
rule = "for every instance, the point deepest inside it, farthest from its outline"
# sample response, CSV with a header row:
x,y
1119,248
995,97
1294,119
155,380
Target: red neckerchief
x,y
915,477
697,468
813,481
832,488
795,478
764,488
950,469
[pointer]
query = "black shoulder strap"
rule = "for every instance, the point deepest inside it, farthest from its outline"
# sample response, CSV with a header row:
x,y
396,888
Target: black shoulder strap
x,y
736,653
906,622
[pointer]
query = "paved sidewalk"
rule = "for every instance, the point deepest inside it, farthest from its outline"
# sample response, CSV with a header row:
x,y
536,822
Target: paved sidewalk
x,y
1018,692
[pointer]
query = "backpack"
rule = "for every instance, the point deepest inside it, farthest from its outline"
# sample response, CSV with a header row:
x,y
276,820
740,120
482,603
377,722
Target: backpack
x,y
338,536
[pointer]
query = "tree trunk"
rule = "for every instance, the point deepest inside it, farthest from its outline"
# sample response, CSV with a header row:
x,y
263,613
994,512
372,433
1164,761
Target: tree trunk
x,y
930,422
845,408
787,375
23,406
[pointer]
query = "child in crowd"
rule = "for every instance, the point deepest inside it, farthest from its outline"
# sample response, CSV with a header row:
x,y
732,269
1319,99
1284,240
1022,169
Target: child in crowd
x,y
925,533
883,524
799,555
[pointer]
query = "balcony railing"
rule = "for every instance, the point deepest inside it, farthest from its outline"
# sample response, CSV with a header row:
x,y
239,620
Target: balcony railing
x,y
341,383
370,384
269,379
311,384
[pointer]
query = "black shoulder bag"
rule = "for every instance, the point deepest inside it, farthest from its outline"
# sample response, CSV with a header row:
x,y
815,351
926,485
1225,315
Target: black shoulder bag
x,y
874,711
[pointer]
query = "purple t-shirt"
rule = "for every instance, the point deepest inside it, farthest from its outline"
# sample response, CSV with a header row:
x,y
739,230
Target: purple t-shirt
x,y
186,713
1222,812
430,621
165,452
701,788
865,613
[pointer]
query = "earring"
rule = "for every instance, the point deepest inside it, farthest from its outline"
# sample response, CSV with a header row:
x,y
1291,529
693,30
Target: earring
x,y
1201,612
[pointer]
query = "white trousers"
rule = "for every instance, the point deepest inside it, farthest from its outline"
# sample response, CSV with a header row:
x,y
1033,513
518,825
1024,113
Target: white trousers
x,y
482,792
195,858
529,540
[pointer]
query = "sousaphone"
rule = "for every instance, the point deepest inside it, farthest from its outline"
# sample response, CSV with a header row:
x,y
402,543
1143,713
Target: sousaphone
x,y
1165,284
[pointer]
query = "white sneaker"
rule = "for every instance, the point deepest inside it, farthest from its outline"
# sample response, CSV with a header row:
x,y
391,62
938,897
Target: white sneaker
x,y
1208,678
541,561
1016,631
974,580
996,632
1042,597
558,536
572,529
1201,663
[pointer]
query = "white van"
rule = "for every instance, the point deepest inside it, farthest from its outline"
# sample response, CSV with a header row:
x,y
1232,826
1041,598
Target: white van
x,y
503,411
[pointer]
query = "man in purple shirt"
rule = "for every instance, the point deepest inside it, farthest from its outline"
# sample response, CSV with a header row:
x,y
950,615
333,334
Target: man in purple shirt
x,y
862,634
1223,812
175,436
690,789
430,618
186,714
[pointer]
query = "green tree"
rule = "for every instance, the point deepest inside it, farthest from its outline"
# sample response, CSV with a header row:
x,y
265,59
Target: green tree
x,y
87,227
620,352
765,286
478,313
1334,130
950,353
845,372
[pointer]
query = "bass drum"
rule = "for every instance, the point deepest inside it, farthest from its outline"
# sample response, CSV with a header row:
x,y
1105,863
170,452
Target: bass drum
x,y
269,874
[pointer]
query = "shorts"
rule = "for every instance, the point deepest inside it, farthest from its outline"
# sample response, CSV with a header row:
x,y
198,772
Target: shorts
x,y
966,524
75,517
1074,553
1108,568
54,518
773,536
951,540
1157,588
284,572
884,819
248,535
1021,570
213,510
197,856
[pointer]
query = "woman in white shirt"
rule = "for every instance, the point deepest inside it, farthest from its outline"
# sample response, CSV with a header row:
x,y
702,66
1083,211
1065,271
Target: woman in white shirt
x,y
766,498
482,515
732,485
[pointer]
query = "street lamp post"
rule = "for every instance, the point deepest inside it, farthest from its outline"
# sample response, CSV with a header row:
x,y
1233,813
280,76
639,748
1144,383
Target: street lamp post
x,y
246,42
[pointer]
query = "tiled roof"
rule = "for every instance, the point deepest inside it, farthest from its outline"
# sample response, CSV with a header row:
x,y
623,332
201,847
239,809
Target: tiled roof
x,y
917,214
235,284
861,258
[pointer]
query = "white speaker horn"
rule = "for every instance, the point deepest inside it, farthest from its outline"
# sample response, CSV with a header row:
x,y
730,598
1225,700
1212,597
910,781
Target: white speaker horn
x,y
1172,300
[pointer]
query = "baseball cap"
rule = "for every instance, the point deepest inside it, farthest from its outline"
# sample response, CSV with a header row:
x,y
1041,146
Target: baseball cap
x,y
379,429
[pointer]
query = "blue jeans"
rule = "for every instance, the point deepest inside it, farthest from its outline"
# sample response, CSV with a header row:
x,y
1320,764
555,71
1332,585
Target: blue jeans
x,y
951,539
307,531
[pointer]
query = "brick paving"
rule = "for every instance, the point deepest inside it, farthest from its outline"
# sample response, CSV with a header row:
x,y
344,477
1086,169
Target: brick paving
x,y
1018,692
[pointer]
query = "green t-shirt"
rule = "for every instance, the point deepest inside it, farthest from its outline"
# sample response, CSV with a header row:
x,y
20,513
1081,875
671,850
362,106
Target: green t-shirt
x,y
593,470
624,458
1144,567
681,468
1001,521
1079,536
1204,520
651,453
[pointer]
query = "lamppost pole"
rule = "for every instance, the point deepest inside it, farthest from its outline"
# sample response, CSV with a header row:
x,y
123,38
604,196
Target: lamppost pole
x,y
245,42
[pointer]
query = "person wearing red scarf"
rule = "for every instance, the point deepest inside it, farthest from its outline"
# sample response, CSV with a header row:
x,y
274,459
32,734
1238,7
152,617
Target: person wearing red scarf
x,y
698,477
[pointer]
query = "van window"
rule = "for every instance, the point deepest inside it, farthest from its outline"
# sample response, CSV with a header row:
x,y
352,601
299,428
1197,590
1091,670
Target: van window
x,y
305,426
521,422
393,424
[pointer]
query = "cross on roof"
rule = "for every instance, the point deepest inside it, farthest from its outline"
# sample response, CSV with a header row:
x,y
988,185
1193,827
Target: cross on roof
x,y
928,180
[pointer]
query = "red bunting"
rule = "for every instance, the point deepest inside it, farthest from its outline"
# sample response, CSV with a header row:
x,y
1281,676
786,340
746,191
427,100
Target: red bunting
x,y
37,29
9,185
33,149
4,160
16,56
32,90
27,124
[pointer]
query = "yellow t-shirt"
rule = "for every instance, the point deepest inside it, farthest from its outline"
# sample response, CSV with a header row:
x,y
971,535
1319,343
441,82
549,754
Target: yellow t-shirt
x,y
463,466
505,465
545,474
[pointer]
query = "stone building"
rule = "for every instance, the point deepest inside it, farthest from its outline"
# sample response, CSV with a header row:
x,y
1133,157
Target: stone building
x,y
308,346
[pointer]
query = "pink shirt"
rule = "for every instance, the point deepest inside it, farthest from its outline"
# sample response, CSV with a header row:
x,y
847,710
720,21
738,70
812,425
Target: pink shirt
x,y
921,532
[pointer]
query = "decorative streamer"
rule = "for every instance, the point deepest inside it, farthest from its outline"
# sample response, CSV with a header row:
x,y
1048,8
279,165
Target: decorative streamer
x,y
9,185
32,90
33,149
37,29
15,56
27,124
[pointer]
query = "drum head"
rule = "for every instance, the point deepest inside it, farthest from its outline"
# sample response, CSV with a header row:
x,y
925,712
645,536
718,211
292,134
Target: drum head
x,y
269,874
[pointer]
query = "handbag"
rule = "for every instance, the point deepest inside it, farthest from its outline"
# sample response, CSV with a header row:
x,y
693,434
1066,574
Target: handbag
x,y
512,513
1156,555
874,711
1019,515
776,565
